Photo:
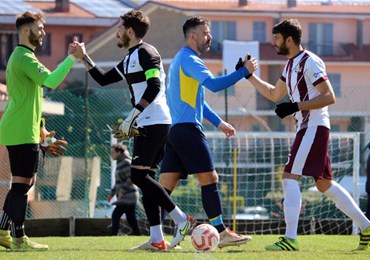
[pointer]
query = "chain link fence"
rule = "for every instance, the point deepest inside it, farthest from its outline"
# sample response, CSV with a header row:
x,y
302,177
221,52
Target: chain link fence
x,y
77,184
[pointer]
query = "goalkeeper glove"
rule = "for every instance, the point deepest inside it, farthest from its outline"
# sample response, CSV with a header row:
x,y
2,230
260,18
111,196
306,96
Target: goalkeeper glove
x,y
126,126
285,109
57,148
240,64
49,144
46,137
117,133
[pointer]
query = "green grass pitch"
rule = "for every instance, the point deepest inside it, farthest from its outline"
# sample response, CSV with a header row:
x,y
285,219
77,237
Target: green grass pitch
x,y
311,247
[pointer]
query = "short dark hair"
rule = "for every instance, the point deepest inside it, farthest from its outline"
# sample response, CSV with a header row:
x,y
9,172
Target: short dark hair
x,y
289,27
28,18
192,23
119,148
137,21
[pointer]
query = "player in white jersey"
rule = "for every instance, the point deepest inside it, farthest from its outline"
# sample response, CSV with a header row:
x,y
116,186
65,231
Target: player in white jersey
x,y
143,70
305,81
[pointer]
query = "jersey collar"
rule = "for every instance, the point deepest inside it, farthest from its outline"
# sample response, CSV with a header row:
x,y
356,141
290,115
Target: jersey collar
x,y
24,46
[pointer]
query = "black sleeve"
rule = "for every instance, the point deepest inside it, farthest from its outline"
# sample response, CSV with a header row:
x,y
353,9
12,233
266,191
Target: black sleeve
x,y
149,58
105,78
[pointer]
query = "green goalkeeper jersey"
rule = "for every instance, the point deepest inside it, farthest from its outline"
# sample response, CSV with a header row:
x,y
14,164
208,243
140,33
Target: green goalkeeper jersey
x,y
25,75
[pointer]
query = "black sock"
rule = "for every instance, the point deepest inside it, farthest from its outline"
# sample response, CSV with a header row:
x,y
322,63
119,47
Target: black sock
x,y
18,207
212,205
4,215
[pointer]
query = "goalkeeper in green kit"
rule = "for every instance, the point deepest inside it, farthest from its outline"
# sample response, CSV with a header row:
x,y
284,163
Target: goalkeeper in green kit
x,y
22,130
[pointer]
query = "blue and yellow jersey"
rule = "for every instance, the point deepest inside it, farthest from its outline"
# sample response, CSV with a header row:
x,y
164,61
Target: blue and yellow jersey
x,y
185,92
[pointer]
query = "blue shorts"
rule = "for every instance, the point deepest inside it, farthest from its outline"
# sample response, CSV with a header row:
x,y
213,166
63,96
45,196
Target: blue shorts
x,y
187,151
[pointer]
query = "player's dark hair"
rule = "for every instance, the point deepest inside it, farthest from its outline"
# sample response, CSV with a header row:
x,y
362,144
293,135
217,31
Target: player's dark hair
x,y
27,18
119,148
192,23
137,21
289,27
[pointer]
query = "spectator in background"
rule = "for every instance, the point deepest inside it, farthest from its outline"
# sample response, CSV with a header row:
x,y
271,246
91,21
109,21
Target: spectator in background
x,y
126,192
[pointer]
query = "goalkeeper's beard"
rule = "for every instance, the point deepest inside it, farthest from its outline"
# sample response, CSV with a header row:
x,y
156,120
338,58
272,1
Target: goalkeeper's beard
x,y
34,39
123,41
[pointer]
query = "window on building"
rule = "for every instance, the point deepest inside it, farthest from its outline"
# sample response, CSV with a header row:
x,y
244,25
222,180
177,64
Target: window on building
x,y
321,38
222,30
259,31
335,83
8,41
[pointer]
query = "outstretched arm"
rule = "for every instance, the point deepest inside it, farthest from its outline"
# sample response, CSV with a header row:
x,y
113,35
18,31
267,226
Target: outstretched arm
x,y
273,93
219,83
98,74
57,76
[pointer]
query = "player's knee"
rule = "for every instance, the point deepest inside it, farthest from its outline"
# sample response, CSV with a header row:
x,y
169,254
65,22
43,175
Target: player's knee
x,y
323,185
169,180
207,178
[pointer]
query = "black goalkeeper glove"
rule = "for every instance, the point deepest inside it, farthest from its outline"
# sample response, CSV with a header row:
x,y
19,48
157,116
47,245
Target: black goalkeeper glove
x,y
286,109
240,64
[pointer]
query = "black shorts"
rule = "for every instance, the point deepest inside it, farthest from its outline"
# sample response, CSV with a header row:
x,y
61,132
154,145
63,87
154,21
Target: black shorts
x,y
148,149
24,159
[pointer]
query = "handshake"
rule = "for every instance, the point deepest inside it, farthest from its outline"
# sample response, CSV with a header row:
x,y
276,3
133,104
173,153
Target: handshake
x,y
242,63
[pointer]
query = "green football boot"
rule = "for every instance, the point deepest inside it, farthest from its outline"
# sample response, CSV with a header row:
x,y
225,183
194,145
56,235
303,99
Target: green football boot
x,y
284,244
5,238
25,244
364,240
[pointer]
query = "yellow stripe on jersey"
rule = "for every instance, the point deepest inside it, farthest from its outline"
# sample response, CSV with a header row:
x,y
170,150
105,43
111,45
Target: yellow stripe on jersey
x,y
188,89
152,73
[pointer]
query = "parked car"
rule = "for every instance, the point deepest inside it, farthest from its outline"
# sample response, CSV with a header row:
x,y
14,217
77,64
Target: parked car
x,y
256,212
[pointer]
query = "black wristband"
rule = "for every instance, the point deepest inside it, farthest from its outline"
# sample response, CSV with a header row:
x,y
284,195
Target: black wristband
x,y
139,107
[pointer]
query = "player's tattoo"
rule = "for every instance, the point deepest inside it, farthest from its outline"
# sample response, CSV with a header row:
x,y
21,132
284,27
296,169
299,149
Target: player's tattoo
x,y
89,63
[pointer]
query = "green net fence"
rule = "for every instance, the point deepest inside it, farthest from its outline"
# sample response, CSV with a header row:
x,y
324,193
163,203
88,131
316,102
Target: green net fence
x,y
84,126
249,166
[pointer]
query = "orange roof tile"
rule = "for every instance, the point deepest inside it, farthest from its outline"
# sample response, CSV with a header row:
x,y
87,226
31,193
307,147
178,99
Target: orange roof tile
x,y
49,9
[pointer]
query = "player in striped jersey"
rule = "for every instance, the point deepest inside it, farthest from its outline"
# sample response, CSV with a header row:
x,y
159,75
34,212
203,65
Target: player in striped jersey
x,y
305,81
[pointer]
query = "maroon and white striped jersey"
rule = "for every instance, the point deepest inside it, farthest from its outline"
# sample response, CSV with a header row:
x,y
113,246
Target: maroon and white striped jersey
x,y
301,74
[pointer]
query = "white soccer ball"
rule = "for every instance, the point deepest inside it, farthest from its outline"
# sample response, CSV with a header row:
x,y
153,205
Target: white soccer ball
x,y
205,237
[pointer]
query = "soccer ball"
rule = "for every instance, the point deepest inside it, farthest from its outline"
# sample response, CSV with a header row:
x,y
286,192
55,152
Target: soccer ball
x,y
205,237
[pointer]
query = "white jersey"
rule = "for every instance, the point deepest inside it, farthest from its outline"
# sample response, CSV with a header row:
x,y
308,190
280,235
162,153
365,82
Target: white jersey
x,y
301,74
140,59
